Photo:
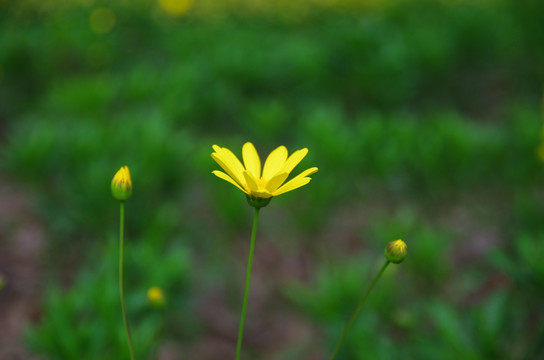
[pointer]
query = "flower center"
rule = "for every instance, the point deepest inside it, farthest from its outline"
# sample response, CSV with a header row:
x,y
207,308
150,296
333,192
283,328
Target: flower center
x,y
261,183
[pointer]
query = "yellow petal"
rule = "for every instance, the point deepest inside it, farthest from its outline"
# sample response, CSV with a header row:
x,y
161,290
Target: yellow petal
x,y
274,163
276,181
296,182
252,161
251,183
306,172
262,194
230,163
224,176
218,159
292,185
294,160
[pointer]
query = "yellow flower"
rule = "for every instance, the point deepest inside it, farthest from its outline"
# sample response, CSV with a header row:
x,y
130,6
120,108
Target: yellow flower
x,y
176,7
268,183
155,296
395,251
121,185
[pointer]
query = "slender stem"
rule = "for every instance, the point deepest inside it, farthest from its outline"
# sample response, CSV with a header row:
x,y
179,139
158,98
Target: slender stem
x,y
158,336
121,289
248,279
348,326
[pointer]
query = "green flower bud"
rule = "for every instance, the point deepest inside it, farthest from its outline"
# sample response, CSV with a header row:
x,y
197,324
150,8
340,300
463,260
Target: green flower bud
x,y
121,185
395,251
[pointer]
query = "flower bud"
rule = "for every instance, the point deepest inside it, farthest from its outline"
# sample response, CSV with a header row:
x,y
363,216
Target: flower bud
x,y
155,297
395,251
121,185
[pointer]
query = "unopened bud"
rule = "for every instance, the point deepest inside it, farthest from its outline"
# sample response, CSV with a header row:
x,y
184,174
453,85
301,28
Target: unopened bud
x,y
395,251
155,297
121,185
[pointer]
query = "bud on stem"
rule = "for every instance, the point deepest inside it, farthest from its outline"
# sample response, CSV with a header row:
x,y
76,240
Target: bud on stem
x,y
121,185
395,251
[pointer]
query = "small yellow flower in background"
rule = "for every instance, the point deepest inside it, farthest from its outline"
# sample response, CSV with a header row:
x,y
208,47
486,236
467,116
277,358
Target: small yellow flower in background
x,y
259,186
2,282
155,296
121,185
395,251
175,7
102,20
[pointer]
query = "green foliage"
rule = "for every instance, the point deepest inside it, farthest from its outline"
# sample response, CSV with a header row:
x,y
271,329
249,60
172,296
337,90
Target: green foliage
x,y
478,320
85,321
423,118
399,321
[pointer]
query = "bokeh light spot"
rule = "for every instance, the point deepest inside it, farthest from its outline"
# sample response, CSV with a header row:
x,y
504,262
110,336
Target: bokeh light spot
x,y
175,7
102,20
540,151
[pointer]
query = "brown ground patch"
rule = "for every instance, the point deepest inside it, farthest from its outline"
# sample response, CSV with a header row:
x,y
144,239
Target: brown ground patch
x,y
21,268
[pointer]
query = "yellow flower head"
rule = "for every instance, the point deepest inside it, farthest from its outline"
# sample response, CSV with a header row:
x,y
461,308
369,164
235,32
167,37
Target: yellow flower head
x,y
121,185
155,296
395,251
259,186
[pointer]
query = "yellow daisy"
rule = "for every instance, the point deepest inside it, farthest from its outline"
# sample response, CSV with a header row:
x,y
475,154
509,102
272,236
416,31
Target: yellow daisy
x,y
268,183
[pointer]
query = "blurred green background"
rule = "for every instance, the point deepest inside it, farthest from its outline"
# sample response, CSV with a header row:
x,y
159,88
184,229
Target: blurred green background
x,y
424,118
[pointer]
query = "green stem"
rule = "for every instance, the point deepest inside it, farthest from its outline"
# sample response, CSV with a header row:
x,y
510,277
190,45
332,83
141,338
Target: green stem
x,y
348,326
158,336
121,289
248,279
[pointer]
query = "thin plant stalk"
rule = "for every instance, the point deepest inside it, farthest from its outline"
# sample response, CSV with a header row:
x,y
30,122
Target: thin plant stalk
x,y
348,326
121,287
248,279
158,336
